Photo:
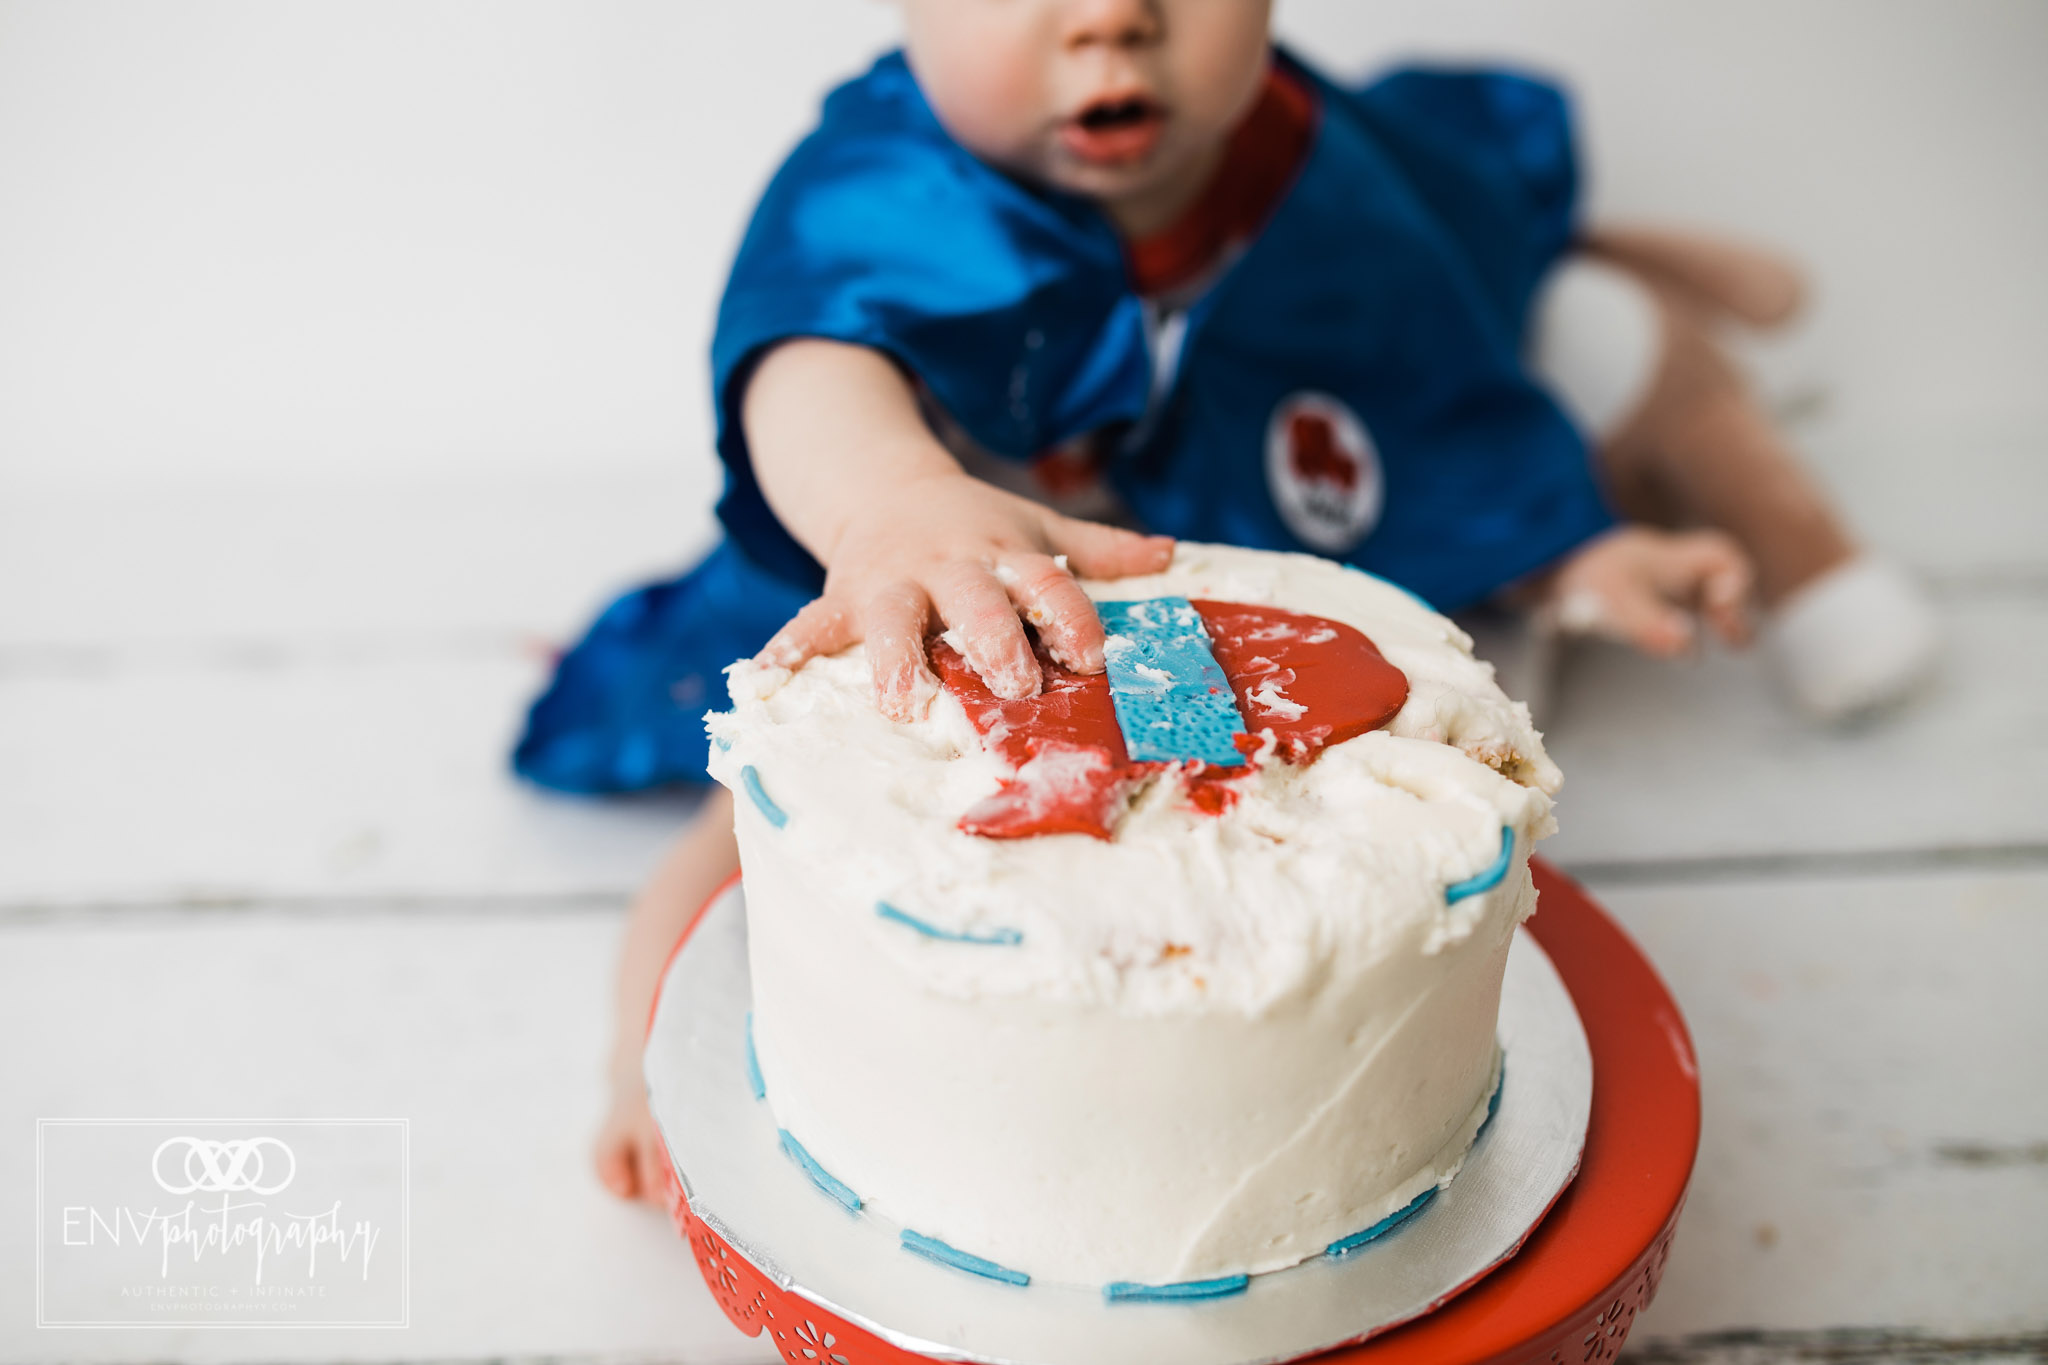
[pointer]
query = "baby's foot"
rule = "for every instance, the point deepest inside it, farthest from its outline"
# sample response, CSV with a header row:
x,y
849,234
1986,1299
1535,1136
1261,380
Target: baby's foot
x,y
629,1151
1857,639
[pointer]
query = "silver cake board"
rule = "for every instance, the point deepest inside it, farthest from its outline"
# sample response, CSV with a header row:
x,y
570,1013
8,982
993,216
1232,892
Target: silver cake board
x,y
739,1182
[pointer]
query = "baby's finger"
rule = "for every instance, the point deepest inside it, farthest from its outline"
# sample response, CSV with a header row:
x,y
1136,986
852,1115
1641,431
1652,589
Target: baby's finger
x,y
1048,597
1724,598
1708,568
1725,580
1098,551
974,606
617,1169
894,623
646,1175
1637,615
824,626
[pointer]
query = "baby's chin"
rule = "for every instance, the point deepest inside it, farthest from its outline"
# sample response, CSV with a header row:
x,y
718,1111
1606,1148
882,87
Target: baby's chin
x,y
1131,184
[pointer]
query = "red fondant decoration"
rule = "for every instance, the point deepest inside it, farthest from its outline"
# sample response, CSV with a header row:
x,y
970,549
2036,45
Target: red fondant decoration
x,y
1308,681
1331,682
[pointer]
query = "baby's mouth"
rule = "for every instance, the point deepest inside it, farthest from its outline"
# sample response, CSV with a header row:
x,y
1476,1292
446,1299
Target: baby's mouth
x,y
1115,132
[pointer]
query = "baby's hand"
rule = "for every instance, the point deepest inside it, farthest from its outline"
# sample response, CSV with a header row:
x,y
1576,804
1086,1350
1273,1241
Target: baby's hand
x,y
1648,588
979,559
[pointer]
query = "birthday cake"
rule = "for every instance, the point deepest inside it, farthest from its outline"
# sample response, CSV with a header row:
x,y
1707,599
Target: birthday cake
x,y
1162,978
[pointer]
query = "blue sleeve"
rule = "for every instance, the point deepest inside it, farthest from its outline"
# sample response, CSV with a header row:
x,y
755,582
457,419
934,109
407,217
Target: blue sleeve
x,y
1005,304
1492,154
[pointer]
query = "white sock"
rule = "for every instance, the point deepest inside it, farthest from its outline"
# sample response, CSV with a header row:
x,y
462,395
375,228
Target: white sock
x,y
1858,638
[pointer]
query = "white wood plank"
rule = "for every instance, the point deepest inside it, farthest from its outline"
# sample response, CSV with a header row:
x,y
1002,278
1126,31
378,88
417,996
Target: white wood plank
x,y
1872,1054
219,568
386,776
1841,1346
284,561
1704,759
1958,505
485,1031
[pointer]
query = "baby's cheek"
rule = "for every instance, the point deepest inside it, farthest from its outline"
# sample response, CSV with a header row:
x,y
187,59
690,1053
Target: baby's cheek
x,y
984,69
1218,59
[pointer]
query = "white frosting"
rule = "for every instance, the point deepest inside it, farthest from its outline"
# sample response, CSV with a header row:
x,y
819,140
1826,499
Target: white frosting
x,y
1221,1042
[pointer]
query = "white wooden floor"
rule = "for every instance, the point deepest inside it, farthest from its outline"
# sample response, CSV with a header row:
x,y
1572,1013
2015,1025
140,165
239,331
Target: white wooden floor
x,y
259,854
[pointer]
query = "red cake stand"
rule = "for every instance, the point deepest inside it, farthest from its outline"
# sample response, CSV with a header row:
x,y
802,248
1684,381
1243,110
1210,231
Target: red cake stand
x,y
1573,1292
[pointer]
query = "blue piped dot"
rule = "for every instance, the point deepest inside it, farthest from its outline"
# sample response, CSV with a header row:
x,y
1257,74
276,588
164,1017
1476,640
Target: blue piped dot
x,y
1488,879
932,1249
750,778
993,937
1123,1291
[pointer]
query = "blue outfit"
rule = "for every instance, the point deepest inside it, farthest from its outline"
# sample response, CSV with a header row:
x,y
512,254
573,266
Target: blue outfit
x,y
1391,283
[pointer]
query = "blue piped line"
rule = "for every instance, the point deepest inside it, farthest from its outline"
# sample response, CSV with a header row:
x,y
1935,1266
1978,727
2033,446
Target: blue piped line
x,y
774,814
1123,1291
1413,596
932,1249
1345,1246
1490,878
820,1177
754,1081
993,936
1492,1104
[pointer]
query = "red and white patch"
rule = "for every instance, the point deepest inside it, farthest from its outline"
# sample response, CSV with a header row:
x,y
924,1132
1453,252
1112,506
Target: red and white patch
x,y
1323,471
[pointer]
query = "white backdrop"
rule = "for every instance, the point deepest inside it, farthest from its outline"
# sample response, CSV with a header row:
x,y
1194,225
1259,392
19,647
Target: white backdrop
x,y
447,238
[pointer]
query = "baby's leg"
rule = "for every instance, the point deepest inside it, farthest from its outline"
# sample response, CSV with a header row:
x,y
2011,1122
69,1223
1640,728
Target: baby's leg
x,y
1681,441
1697,449
1747,283
629,1153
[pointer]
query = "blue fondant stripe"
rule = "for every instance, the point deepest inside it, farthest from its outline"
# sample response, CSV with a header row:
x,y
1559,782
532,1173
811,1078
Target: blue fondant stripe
x,y
1345,1246
1123,1291
932,1249
1491,877
820,1177
1172,701
929,930
750,778
754,1081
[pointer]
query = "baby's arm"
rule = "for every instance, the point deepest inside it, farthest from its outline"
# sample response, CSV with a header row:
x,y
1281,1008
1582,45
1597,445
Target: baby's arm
x,y
1648,588
849,466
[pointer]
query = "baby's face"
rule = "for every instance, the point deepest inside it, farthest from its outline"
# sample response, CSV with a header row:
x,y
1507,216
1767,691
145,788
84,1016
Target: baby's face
x,y
1126,101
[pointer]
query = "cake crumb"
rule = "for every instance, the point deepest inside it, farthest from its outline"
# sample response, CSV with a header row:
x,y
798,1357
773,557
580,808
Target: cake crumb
x,y
1503,758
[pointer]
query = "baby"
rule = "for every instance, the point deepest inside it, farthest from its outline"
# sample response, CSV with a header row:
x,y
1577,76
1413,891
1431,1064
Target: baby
x,y
1066,268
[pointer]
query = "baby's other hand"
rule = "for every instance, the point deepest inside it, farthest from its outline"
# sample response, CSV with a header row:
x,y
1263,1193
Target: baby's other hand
x,y
1650,588
978,559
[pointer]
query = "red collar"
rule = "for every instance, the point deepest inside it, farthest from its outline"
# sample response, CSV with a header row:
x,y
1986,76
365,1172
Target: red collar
x,y
1258,166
